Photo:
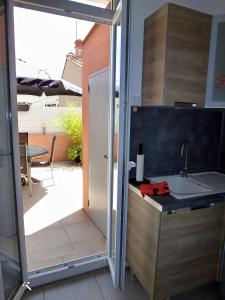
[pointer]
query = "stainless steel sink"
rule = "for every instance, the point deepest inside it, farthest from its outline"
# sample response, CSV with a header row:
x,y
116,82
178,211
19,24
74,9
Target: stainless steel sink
x,y
183,187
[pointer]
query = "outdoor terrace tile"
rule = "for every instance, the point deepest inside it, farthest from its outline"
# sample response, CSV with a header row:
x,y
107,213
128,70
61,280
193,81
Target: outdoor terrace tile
x,y
57,228
47,239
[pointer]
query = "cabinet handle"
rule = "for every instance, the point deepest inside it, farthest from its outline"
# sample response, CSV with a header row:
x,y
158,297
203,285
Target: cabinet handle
x,y
171,212
202,206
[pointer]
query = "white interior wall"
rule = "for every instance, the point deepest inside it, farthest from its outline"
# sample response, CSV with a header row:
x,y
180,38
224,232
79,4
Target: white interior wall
x,y
142,9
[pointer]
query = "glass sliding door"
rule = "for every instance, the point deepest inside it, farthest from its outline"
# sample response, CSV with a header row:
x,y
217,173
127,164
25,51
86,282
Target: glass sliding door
x,y
118,137
10,263
118,142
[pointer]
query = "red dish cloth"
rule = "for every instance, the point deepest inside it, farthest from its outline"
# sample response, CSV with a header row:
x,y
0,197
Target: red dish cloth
x,y
158,189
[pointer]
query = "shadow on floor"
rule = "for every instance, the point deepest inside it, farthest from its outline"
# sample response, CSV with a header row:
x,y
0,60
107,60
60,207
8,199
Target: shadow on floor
x,y
208,292
73,237
57,229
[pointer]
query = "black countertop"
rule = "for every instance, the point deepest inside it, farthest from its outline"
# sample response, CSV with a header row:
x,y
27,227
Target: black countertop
x,y
170,203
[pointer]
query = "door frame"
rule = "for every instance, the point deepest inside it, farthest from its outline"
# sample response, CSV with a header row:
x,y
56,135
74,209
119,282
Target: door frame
x,y
117,265
69,9
13,123
66,270
14,135
2,296
99,15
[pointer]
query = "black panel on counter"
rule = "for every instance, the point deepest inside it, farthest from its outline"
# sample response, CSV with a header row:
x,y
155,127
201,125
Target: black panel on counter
x,y
222,152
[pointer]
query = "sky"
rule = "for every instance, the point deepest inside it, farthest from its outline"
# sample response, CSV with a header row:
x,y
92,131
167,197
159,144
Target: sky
x,y
43,40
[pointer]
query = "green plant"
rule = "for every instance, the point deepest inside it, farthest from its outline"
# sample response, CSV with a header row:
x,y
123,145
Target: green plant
x,y
71,123
75,152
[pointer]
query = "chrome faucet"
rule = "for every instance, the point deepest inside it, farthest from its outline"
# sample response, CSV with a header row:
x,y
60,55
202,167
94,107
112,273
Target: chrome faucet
x,y
184,159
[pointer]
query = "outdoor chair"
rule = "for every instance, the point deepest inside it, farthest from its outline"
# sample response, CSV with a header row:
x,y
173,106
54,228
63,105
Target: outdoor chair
x,y
49,162
23,164
23,138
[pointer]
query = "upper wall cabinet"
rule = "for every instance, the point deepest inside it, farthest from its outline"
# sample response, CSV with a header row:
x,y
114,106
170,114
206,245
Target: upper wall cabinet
x,y
176,49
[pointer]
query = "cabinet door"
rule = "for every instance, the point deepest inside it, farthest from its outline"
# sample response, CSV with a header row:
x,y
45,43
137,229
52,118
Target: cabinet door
x,y
190,249
142,240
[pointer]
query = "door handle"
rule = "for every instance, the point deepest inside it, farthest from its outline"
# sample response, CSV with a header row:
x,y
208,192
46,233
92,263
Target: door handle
x,y
132,165
106,156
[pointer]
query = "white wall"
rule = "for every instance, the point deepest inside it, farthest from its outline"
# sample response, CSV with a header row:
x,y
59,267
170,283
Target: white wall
x,y
72,72
32,121
144,8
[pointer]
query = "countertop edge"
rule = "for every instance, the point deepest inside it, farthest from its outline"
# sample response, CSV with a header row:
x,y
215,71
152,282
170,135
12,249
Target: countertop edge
x,y
146,198
174,204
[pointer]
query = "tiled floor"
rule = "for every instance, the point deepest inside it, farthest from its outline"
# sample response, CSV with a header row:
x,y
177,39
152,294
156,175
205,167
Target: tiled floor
x,y
98,286
57,229
92,286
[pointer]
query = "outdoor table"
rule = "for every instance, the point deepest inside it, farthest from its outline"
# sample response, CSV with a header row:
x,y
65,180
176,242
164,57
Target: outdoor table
x,y
32,152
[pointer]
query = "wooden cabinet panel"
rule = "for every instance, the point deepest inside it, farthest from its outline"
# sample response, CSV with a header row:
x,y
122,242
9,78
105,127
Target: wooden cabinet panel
x,y
177,69
142,240
195,239
173,253
187,55
155,40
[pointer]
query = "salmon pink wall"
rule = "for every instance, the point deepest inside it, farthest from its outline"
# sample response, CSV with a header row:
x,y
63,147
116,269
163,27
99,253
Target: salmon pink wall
x,y
2,41
45,140
96,56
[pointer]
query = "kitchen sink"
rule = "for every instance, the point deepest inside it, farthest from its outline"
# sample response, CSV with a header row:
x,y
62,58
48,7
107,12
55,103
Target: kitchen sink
x,y
184,187
215,180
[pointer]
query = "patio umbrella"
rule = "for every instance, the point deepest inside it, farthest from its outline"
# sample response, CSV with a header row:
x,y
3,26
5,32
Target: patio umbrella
x,y
50,87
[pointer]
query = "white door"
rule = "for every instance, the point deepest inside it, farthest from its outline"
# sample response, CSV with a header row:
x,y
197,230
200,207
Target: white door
x,y
98,147
13,272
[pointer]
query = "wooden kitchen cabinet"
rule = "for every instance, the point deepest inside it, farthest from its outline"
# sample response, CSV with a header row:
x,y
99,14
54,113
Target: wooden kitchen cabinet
x,y
171,253
175,58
